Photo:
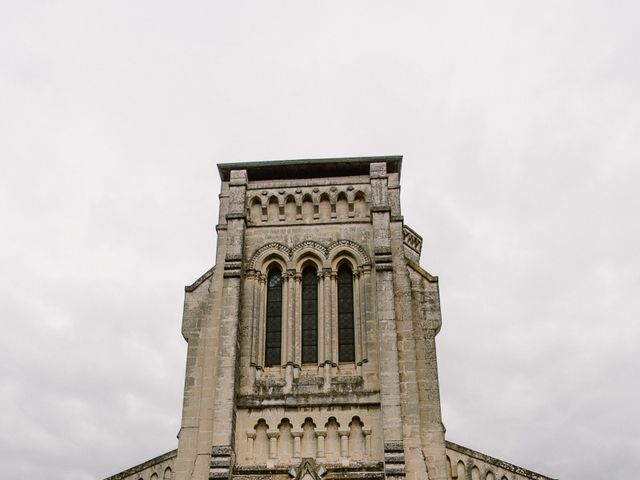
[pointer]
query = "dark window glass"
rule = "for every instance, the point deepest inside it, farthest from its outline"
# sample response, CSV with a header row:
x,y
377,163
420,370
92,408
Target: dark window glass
x,y
346,334
273,336
309,315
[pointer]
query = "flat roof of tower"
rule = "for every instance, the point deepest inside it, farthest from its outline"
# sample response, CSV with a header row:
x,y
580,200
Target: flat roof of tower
x,y
309,167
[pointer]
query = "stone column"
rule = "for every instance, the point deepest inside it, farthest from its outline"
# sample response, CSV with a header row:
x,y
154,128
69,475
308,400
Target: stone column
x,y
334,318
328,337
344,445
251,436
366,431
357,320
297,326
288,330
254,278
320,437
365,280
297,443
262,302
273,444
321,340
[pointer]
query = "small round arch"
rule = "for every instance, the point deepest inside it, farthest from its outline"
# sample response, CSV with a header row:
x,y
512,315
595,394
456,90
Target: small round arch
x,y
273,260
268,251
347,248
309,250
261,423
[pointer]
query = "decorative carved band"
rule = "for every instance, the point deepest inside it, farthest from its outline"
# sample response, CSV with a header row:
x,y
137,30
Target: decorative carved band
x,y
324,251
412,239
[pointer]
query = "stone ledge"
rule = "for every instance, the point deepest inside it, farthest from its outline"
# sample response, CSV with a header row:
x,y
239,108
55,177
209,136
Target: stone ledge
x,y
421,271
204,277
310,168
354,471
311,399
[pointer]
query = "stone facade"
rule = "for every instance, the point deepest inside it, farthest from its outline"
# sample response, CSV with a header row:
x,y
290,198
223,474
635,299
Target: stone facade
x,y
311,342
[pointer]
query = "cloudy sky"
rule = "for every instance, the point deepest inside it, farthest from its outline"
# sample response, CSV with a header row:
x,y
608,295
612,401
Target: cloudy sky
x,y
520,128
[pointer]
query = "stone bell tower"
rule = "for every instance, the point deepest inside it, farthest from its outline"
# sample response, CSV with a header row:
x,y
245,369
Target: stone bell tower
x,y
311,342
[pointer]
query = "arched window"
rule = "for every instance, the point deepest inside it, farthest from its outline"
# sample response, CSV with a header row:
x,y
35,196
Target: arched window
x,y
273,336
346,333
309,315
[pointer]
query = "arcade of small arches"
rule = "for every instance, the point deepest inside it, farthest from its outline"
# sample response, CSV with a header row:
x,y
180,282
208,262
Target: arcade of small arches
x,y
469,470
329,441
308,205
167,475
308,309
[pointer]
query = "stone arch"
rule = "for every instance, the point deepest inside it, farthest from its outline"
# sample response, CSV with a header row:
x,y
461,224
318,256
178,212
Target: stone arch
x,y
356,438
332,443
344,258
168,474
272,260
290,208
255,210
273,209
308,258
342,206
461,470
490,476
154,476
261,442
309,249
359,205
475,473
449,472
276,249
325,207
285,440
347,248
307,207
308,444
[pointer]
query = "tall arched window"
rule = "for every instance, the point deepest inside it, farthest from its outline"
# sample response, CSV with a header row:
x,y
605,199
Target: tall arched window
x,y
309,315
273,334
346,333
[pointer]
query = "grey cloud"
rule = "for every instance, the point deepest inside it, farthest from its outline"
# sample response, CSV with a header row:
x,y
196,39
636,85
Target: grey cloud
x,y
520,132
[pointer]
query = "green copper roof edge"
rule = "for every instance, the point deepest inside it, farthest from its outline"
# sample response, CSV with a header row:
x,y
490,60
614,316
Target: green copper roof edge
x,y
222,167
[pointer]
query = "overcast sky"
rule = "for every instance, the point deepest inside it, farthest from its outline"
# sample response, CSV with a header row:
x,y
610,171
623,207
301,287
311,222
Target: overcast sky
x,y
520,128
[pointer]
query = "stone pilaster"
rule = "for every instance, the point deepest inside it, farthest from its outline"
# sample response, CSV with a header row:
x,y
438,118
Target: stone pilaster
x,y
385,311
226,371
200,329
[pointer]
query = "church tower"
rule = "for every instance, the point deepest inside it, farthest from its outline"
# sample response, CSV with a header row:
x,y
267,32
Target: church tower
x,y
311,342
